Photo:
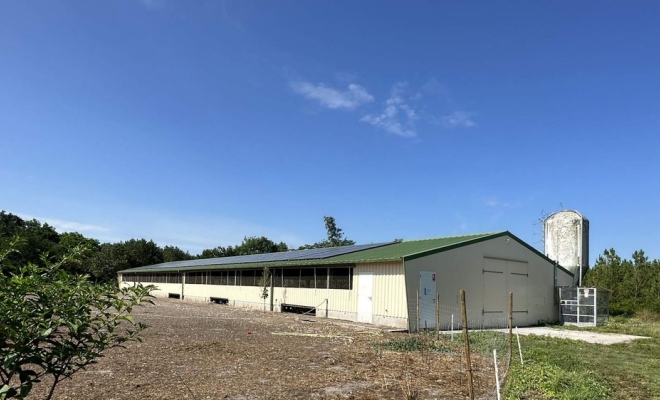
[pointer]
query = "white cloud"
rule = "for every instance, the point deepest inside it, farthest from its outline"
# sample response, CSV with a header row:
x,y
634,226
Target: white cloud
x,y
436,88
398,117
401,112
68,226
494,202
458,119
332,98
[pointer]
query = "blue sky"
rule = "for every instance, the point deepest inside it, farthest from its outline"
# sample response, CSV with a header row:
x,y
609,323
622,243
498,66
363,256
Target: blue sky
x,y
197,123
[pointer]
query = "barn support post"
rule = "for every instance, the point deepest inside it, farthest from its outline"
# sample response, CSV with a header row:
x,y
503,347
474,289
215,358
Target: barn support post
x,y
183,284
466,343
272,292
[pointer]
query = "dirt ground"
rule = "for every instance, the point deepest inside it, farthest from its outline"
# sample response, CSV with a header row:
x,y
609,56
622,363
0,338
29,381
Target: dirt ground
x,y
210,351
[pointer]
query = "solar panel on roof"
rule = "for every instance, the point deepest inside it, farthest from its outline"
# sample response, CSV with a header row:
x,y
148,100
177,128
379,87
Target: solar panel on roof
x,y
308,254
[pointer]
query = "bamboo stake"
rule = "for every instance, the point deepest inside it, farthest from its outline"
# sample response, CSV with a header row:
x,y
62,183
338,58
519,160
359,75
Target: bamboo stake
x,y
437,315
466,342
417,313
519,348
510,324
497,376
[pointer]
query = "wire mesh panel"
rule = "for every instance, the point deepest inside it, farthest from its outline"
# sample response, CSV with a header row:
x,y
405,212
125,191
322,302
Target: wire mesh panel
x,y
440,327
583,306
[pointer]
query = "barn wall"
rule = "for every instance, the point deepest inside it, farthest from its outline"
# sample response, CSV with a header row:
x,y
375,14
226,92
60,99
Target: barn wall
x,y
389,296
162,289
564,279
340,303
389,293
463,268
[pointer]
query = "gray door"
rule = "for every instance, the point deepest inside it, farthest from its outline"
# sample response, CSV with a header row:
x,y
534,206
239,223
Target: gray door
x,y
427,300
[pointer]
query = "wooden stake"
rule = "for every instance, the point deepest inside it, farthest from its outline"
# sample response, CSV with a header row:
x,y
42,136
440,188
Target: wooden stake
x,y
466,342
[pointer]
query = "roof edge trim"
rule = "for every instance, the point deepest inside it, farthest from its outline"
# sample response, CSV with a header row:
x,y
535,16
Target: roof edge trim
x,y
548,259
486,236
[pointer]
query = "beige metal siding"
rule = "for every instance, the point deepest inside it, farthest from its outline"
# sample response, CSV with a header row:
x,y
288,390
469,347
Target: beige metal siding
x,y
162,289
463,268
389,294
340,302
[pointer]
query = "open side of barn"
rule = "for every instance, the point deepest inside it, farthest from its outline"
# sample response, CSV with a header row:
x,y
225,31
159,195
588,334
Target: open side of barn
x,y
380,284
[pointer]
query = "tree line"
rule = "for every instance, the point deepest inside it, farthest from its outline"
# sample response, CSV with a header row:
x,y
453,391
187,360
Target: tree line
x,y
634,283
101,261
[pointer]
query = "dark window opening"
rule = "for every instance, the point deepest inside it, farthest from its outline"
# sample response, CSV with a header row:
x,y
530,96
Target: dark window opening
x,y
321,278
248,277
215,277
277,277
340,278
307,278
291,278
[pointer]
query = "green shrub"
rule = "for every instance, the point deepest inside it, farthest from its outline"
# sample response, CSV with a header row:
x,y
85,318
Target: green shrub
x,y
553,382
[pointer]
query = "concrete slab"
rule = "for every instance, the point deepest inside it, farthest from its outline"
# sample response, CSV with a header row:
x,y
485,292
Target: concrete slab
x,y
585,336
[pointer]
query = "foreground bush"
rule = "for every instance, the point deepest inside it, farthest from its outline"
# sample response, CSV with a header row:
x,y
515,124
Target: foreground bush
x,y
53,324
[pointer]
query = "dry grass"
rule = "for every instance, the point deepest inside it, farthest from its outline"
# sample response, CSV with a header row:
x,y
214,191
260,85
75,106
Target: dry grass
x,y
207,351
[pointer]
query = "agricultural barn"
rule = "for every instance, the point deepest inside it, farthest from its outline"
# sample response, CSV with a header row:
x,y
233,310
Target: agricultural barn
x,y
382,283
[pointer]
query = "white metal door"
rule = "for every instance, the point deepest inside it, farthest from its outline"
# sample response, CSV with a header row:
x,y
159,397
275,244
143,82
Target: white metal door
x,y
427,299
365,296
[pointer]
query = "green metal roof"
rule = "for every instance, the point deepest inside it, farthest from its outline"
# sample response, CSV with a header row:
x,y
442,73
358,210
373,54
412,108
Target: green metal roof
x,y
406,250
411,249
402,251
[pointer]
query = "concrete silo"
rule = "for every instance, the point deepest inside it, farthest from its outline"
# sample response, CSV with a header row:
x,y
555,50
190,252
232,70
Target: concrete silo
x,y
566,241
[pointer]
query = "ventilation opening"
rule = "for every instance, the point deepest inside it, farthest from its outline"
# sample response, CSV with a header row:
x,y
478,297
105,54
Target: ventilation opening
x,y
219,300
173,296
295,309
